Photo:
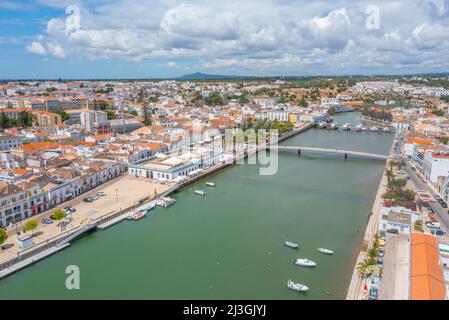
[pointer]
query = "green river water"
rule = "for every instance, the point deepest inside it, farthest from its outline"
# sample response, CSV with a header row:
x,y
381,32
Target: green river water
x,y
229,244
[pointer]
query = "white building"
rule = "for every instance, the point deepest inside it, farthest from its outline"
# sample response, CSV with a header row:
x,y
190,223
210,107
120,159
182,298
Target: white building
x,y
91,118
277,115
435,164
172,167
8,142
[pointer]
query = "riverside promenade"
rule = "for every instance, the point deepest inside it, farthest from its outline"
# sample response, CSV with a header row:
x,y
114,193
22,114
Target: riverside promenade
x,y
356,288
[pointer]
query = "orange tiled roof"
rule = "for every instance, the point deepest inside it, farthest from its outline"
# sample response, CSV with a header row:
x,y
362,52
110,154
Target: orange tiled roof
x,y
419,141
36,146
427,281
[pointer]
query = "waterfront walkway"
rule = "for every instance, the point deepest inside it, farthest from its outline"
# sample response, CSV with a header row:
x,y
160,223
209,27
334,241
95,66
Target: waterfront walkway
x,y
356,288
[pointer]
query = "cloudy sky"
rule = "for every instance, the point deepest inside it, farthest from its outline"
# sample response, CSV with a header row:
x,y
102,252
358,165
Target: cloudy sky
x,y
166,38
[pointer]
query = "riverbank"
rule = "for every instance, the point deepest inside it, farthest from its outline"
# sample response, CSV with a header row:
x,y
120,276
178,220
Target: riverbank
x,y
356,287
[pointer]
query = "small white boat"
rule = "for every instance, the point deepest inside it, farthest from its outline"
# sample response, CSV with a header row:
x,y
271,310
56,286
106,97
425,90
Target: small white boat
x,y
322,125
305,263
165,202
386,130
358,127
374,129
297,286
139,215
210,184
334,126
291,245
364,128
200,192
346,127
325,251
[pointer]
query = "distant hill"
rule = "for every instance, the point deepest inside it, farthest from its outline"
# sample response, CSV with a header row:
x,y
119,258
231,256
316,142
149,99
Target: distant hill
x,y
203,76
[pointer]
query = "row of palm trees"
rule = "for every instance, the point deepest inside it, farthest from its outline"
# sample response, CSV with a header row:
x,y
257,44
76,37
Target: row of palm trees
x,y
368,267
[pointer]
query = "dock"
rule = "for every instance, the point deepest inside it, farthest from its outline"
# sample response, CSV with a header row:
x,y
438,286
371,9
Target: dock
x,y
113,221
8,270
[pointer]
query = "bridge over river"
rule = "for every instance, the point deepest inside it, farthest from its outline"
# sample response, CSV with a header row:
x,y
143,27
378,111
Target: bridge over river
x,y
344,153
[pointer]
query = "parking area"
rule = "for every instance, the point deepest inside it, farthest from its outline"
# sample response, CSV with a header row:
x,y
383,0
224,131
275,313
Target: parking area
x,y
121,193
395,284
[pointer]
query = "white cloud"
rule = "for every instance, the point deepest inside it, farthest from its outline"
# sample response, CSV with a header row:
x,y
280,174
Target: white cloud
x,y
292,36
37,48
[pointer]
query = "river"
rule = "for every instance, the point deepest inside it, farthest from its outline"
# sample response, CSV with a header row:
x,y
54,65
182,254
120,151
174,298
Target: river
x,y
229,244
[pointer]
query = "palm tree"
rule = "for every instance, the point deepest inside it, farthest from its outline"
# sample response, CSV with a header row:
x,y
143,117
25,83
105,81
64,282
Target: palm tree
x,y
362,267
390,175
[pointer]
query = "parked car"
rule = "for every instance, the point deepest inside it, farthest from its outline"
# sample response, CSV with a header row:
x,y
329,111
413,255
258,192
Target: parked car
x,y
88,199
444,204
373,294
100,194
437,232
380,261
438,198
46,221
381,252
433,224
94,198
393,231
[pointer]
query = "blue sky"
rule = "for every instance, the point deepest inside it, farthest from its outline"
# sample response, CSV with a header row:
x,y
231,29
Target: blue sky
x,y
151,38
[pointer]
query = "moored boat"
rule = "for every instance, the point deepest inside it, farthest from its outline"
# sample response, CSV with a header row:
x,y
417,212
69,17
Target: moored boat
x,y
334,126
346,127
322,125
296,286
325,251
165,202
305,263
386,130
364,128
210,184
374,129
358,127
139,215
200,192
291,245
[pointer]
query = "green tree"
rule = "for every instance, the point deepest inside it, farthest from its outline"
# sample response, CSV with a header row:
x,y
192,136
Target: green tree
x,y
445,140
30,225
134,113
3,236
146,117
4,121
331,111
64,115
58,215
111,114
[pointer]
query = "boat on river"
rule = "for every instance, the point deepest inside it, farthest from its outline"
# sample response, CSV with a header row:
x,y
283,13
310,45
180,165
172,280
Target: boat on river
x,y
374,129
386,130
200,192
305,263
358,127
346,127
291,245
210,184
325,251
139,215
165,202
334,126
297,286
322,125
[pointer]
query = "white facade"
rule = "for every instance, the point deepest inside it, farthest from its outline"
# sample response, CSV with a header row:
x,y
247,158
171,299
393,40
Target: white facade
x,y
277,115
435,165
